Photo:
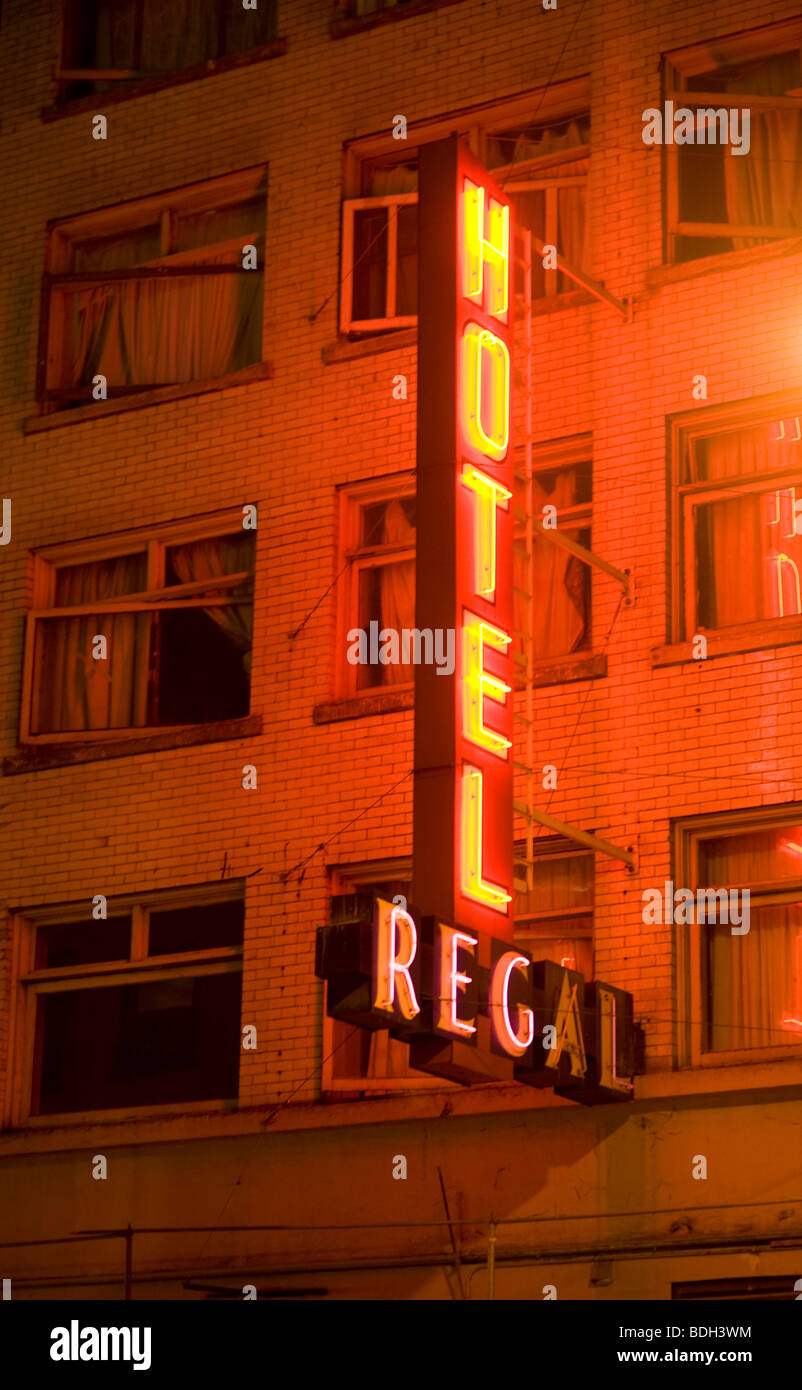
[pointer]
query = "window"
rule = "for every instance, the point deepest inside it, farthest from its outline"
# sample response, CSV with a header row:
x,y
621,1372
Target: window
x,y
108,44
745,990
377,569
542,164
174,610
719,201
354,1058
553,904
155,292
737,532
140,1009
552,586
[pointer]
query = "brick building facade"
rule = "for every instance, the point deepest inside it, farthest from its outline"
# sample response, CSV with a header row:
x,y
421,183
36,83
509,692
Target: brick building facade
x,y
223,772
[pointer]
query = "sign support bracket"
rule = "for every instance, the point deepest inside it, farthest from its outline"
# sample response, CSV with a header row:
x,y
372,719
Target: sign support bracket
x,y
572,832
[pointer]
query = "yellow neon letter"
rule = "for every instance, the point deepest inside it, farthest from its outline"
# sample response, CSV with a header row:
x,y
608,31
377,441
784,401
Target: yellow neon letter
x,y
450,979
489,495
396,934
473,885
486,268
515,1042
486,391
479,685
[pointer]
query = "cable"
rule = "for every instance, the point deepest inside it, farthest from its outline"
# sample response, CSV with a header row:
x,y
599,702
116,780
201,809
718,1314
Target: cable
x,y
287,873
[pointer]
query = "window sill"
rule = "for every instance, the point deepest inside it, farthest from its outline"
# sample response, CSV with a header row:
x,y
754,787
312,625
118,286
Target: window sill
x,y
751,637
343,350
74,106
341,28
360,706
38,757
726,260
578,667
33,424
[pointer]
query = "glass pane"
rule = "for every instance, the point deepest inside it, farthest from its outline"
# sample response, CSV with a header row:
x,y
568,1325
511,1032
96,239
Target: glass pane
x,y
733,453
196,928
370,264
243,220
749,559
407,266
100,579
387,598
156,1043
754,982
381,523
82,943
211,558
76,691
122,251
559,882
756,856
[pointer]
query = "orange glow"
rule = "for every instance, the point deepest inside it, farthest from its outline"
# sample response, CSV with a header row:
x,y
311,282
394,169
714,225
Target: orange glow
x,y
796,591
486,266
790,847
478,685
514,1041
396,936
489,495
452,980
568,1024
486,391
472,883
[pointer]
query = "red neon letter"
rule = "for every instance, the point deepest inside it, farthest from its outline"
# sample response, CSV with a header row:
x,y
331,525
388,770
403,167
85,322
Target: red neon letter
x,y
514,1041
472,883
486,268
450,979
486,391
489,495
396,934
478,685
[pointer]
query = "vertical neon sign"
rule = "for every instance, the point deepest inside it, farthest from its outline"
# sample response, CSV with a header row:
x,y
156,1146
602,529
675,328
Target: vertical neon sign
x,y
462,850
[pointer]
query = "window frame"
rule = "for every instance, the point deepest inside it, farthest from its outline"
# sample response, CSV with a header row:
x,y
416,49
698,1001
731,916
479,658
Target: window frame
x,y
684,432
348,324
681,64
154,540
352,558
552,105
545,849
128,217
29,984
691,1007
551,457
132,80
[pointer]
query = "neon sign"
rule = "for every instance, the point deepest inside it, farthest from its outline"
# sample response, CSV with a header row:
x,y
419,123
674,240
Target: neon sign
x,y
446,976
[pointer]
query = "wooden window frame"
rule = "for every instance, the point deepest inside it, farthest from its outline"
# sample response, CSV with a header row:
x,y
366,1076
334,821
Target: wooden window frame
x,y
65,76
29,983
680,65
552,105
162,209
684,432
352,559
348,324
154,541
553,847
690,1002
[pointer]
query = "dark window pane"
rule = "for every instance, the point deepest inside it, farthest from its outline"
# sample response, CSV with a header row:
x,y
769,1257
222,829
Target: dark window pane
x,y
202,667
81,943
157,1043
370,264
407,269
196,928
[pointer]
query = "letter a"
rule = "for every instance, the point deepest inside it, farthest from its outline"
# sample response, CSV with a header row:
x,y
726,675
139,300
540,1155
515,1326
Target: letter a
x,y
399,1166
399,388
399,127
99,128
99,391
699,1169
699,391
5,529
249,257
99,1169
653,132
249,517
249,777
100,647
99,908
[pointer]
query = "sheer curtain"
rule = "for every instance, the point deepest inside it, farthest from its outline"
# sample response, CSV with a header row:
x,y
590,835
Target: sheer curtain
x,y
397,585
75,690
737,543
558,611
764,187
753,983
